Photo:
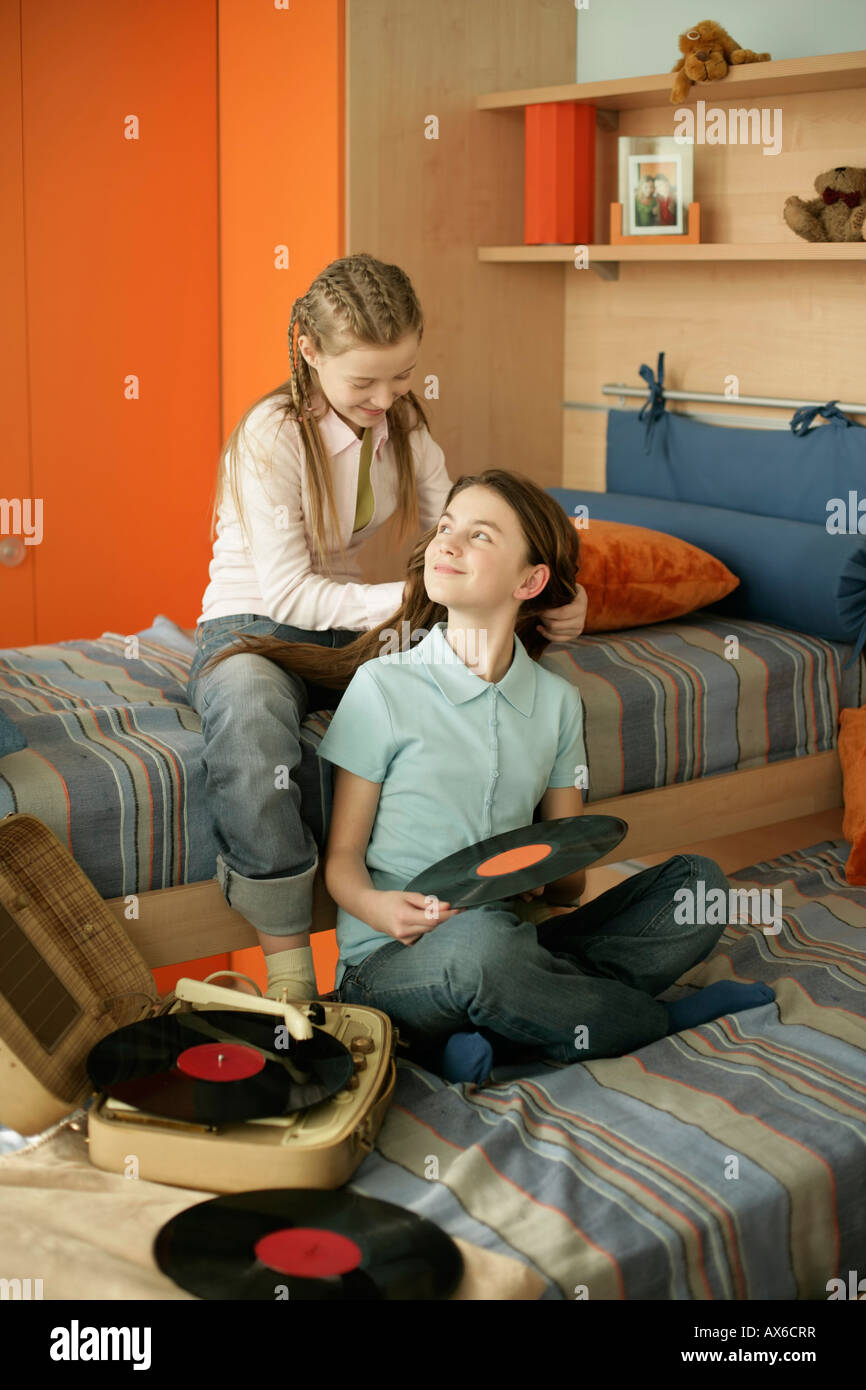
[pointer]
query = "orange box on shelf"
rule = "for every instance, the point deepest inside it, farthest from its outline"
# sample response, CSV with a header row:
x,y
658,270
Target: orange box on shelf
x,y
559,174
690,238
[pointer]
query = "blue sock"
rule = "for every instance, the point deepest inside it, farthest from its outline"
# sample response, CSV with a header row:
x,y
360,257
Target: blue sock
x,y
724,997
466,1057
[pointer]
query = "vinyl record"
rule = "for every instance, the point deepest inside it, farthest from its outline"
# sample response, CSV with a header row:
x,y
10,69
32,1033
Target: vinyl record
x,y
218,1066
505,865
303,1243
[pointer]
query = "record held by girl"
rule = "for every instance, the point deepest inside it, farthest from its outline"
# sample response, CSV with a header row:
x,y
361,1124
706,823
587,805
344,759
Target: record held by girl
x,y
504,865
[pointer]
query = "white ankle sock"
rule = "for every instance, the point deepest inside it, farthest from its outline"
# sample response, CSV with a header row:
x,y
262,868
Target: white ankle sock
x,y
293,971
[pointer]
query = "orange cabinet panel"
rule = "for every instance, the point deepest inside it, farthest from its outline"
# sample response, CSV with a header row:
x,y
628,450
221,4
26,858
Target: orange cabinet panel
x,y
17,502
121,240
173,180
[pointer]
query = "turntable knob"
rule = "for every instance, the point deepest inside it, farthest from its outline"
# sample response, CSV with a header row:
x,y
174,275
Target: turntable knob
x,y
361,1044
315,1013
346,1094
360,1063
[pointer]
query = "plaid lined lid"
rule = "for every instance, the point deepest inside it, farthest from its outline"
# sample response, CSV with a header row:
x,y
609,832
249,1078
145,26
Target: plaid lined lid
x,y
63,956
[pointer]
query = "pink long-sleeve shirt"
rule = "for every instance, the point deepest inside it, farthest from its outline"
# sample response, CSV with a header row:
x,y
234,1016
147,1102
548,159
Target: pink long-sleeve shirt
x,y
276,575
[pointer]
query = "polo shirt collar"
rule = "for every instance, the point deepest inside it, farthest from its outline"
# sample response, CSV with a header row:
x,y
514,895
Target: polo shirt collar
x,y
337,435
458,684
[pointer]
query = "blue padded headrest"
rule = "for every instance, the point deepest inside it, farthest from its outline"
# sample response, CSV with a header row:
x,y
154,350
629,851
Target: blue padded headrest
x,y
793,473
791,573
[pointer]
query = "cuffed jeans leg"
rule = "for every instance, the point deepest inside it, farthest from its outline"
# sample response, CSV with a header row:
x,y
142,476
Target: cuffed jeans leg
x,y
251,712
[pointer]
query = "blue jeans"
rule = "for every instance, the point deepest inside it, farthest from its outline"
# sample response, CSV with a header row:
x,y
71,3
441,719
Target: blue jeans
x,y
251,714
577,986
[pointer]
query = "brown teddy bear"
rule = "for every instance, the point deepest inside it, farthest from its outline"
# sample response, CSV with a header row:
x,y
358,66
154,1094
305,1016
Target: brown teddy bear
x,y
707,50
839,211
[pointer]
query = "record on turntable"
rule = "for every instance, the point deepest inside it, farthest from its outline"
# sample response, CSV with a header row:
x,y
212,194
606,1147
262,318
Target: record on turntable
x,y
212,1067
504,865
307,1244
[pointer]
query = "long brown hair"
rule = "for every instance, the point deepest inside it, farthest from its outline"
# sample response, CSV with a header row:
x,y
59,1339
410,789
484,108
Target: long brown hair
x,y
551,539
354,302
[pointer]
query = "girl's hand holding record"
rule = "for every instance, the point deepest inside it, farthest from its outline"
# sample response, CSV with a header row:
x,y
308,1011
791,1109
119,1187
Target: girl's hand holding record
x,y
408,916
531,893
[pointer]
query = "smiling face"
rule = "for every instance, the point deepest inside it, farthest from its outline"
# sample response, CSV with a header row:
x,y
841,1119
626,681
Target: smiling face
x,y
647,187
477,560
364,382
662,186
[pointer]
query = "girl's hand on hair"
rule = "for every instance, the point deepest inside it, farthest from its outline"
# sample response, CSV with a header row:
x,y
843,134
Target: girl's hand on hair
x,y
407,916
565,623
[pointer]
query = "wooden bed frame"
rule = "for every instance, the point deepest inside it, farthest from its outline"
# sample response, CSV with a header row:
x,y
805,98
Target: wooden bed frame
x,y
193,920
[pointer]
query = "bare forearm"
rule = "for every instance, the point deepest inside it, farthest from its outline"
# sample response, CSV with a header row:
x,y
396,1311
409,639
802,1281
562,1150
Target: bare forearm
x,y
349,883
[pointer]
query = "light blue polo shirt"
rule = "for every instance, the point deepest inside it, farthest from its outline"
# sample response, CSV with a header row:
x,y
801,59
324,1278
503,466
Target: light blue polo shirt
x,y
459,758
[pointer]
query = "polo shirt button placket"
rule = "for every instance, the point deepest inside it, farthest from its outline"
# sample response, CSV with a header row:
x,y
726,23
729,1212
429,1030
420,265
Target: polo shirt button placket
x,y
494,752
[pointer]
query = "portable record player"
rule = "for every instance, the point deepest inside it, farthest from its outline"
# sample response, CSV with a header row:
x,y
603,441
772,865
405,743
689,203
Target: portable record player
x,y
207,1088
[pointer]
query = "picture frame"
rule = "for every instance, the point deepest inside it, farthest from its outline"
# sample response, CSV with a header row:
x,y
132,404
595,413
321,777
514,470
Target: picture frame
x,y
656,185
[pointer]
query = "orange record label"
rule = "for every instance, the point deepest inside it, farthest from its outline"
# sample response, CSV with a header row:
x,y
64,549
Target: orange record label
x,y
512,860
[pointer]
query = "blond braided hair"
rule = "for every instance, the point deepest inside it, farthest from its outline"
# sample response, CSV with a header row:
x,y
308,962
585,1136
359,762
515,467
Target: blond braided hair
x,y
354,302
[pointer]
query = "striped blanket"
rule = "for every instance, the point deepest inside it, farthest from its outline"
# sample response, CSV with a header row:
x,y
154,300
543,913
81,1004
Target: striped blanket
x,y
703,695
723,1163
113,761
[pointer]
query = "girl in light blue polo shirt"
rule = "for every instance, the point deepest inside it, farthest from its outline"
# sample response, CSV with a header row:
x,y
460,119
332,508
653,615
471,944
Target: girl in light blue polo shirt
x,y
450,732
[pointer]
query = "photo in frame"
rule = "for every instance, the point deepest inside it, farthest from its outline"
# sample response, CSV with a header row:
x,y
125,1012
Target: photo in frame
x,y
656,185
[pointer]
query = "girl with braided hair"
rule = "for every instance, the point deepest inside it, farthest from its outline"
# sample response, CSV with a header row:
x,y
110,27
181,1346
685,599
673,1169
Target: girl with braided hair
x,y
310,472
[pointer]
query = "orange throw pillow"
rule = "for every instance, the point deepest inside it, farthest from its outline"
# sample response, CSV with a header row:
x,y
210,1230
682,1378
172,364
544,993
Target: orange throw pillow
x,y
852,756
634,576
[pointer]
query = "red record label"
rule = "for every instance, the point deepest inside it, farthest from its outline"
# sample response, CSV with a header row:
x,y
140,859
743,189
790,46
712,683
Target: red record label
x,y
511,861
321,1245
220,1062
308,1252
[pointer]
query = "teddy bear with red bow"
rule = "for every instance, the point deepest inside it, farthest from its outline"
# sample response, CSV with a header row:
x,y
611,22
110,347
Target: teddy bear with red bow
x,y
839,211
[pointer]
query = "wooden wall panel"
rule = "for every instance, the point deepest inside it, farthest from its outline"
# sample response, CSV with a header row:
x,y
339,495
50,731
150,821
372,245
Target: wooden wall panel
x,y
494,334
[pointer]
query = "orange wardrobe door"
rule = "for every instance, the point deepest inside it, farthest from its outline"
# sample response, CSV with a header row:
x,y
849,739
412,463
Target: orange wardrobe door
x,y
18,505
122,292
282,107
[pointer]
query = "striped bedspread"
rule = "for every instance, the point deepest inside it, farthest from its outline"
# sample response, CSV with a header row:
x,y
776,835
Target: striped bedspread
x,y
726,1162
703,695
114,756
114,759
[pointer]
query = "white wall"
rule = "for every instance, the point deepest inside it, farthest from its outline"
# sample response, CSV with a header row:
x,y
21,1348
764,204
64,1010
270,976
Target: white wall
x,y
631,38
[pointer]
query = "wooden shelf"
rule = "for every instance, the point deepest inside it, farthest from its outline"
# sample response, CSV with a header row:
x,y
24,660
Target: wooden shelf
x,y
827,73
707,251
